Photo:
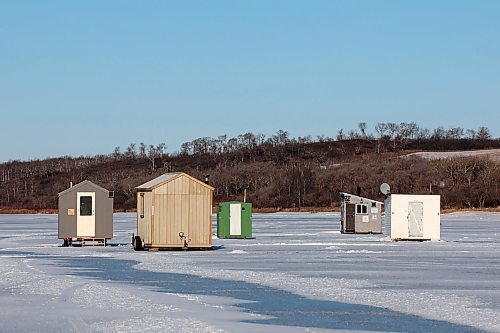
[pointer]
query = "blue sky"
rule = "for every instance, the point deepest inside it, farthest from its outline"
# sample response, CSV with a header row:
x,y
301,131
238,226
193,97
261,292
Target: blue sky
x,y
81,77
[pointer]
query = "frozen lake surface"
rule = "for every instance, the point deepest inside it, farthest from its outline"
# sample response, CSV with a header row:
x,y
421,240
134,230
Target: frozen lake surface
x,y
299,274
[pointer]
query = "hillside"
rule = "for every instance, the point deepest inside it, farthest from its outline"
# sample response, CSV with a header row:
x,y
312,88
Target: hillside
x,y
290,173
492,154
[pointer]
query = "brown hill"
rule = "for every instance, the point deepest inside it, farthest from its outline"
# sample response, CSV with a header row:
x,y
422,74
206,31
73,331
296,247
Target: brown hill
x,y
286,174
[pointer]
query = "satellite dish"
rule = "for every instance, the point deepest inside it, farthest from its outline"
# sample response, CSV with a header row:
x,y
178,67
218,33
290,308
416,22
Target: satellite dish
x,y
385,188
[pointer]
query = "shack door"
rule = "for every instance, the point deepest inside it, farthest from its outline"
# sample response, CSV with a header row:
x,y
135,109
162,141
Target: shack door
x,y
350,217
85,218
235,219
415,219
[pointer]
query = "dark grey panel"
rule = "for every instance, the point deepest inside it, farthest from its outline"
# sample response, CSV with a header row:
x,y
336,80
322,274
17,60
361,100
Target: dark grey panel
x,y
103,211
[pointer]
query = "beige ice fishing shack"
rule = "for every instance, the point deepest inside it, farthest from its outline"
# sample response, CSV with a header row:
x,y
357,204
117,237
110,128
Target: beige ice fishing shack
x,y
174,210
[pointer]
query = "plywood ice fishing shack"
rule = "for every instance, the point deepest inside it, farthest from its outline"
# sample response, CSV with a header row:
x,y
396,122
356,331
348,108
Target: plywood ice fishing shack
x,y
85,214
234,220
360,215
174,210
413,217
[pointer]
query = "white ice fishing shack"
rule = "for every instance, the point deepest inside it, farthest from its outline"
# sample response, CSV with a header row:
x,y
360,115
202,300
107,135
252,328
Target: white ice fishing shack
x,y
413,217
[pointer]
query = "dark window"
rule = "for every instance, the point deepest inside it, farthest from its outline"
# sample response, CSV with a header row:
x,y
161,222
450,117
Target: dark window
x,y
374,204
111,194
361,209
142,205
86,206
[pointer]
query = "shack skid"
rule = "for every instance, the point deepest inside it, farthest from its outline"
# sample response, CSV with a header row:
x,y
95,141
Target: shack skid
x,y
363,233
139,245
90,241
167,248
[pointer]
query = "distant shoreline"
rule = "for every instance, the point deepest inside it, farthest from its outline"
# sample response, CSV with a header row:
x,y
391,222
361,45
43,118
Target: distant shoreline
x,y
7,211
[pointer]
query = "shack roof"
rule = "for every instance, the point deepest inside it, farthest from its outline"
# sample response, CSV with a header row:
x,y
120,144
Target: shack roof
x,y
74,187
168,177
357,196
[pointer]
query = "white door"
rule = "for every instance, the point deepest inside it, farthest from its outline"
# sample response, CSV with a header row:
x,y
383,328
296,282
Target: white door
x,y
85,218
415,219
235,219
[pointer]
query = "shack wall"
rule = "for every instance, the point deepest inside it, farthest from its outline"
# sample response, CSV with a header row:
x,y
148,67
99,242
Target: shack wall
x,y
103,212
399,225
180,205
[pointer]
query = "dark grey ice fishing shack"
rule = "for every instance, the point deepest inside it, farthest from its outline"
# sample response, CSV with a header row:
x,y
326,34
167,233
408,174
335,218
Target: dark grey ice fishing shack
x,y
85,214
360,215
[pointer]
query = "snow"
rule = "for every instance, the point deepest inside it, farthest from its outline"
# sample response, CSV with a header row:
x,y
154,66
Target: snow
x,y
298,274
493,154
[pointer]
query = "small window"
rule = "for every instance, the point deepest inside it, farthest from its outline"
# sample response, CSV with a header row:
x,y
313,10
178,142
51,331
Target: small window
x,y
142,205
111,194
86,206
361,209
374,204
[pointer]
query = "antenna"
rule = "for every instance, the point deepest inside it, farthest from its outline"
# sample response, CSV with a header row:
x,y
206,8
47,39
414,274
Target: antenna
x,y
385,189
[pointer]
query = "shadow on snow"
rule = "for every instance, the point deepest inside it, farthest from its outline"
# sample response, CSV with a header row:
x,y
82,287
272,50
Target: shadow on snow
x,y
284,307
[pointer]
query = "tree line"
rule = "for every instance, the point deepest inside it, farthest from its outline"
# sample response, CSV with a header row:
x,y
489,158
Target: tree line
x,y
279,170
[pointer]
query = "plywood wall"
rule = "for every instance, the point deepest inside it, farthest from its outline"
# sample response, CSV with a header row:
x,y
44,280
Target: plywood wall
x,y
181,205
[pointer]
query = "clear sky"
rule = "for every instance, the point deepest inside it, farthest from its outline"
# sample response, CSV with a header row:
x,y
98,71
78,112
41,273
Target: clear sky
x,y
81,77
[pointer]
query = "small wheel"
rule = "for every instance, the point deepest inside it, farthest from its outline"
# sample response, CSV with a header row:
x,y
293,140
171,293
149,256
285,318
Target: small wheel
x,y
137,243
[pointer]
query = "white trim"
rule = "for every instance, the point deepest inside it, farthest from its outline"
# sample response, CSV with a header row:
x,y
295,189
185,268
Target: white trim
x,y
85,225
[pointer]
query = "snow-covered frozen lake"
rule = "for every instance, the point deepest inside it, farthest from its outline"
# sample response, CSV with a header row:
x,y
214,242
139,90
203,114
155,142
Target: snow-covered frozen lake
x,y
299,274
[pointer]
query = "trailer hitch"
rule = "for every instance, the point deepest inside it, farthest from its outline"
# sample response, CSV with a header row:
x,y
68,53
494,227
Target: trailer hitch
x,y
185,240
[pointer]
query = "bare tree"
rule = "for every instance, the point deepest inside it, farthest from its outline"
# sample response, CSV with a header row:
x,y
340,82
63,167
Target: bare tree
x,y
455,133
261,138
353,135
154,153
470,133
186,148
483,133
131,153
380,128
393,128
340,135
362,128
117,153
142,150
439,133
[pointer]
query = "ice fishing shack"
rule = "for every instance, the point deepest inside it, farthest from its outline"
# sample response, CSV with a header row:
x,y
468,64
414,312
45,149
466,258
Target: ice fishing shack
x,y
174,211
85,214
360,215
234,220
413,217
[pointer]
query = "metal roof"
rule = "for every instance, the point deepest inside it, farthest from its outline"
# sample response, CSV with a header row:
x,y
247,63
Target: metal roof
x,y
74,187
357,196
165,178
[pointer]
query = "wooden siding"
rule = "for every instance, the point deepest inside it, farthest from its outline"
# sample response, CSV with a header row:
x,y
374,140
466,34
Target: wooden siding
x,y
144,223
180,205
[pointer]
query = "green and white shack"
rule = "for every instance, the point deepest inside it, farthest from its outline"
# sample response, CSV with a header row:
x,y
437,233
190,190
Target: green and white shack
x,y
234,219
